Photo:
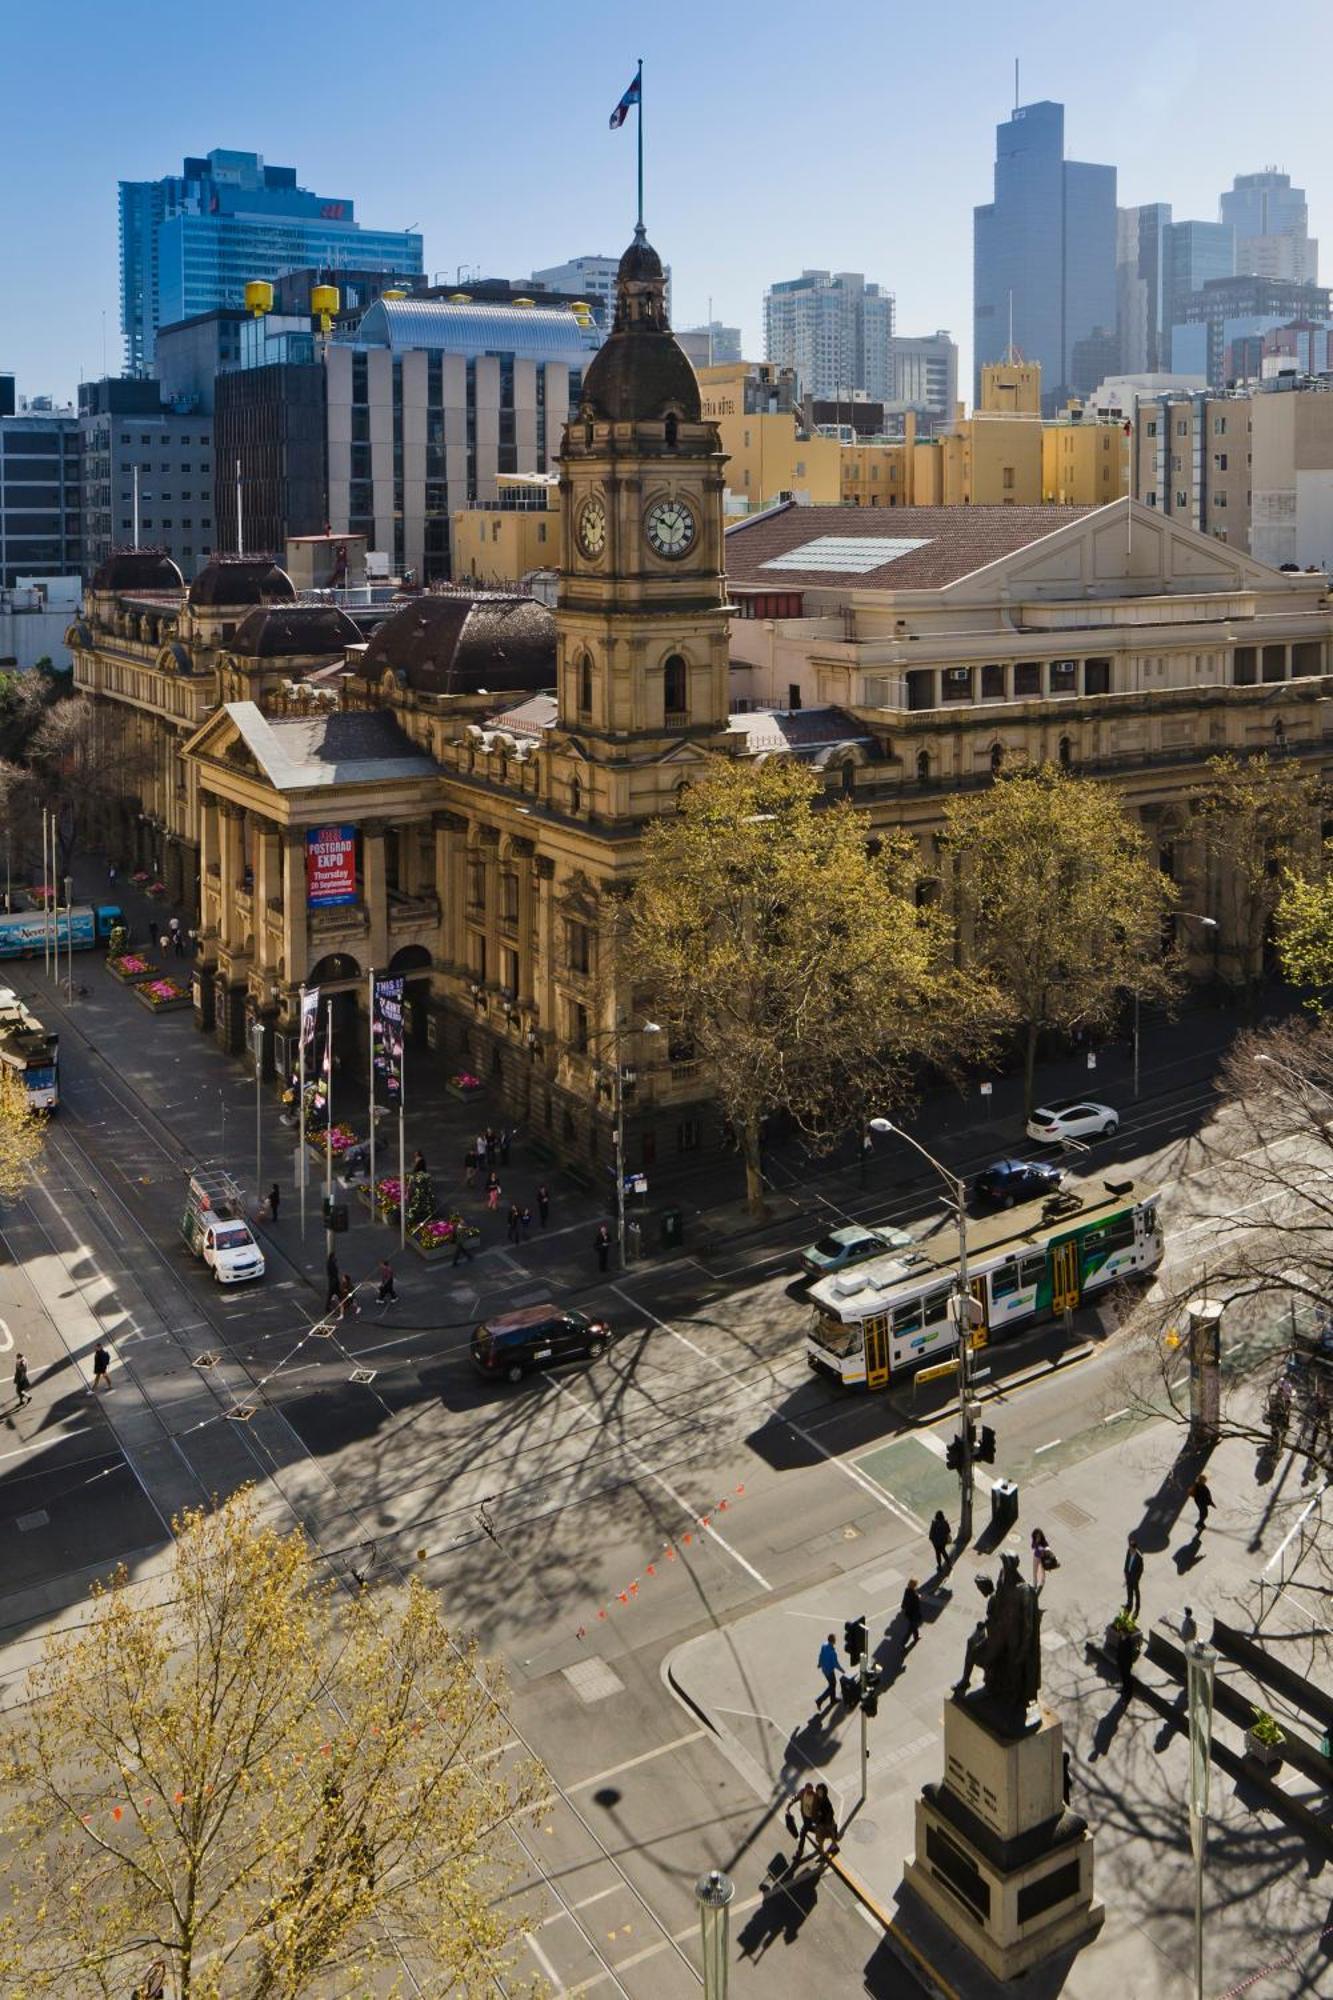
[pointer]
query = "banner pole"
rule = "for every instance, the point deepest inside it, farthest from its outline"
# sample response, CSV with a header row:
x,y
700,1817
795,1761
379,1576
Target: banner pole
x,y
370,1022
301,1157
402,1139
328,1130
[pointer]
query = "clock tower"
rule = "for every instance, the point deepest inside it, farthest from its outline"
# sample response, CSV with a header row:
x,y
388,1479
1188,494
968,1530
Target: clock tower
x,y
642,613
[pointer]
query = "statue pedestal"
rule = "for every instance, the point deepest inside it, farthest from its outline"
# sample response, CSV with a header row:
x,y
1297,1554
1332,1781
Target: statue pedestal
x,y
999,1858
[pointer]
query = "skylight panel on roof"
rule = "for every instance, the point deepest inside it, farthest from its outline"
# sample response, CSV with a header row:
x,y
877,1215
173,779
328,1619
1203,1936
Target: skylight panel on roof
x,y
851,555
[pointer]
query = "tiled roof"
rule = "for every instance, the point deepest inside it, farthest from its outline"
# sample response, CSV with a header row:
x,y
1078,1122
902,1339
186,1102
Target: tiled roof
x,y
802,732
343,747
955,541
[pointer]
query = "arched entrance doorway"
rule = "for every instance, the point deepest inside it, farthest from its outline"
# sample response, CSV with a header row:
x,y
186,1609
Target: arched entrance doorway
x,y
341,984
412,965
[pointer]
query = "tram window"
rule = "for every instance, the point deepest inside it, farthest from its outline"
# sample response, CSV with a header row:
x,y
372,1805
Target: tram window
x,y
936,1306
907,1319
1150,1221
1032,1269
1004,1282
1117,1234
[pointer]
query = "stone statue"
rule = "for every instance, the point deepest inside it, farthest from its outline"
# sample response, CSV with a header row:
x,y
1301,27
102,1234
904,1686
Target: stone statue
x,y
1006,1645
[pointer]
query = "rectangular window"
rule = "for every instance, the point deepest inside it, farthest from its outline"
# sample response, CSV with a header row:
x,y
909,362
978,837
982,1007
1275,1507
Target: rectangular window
x,y
1064,675
476,885
1152,429
957,684
578,1027
578,947
1096,677
1032,1269
689,1135
1027,677
992,683
1243,665
1220,460
509,970
509,897
1004,1282
1008,479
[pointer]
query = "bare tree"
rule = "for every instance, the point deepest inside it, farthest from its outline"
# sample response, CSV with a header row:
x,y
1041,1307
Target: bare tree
x,y
1257,818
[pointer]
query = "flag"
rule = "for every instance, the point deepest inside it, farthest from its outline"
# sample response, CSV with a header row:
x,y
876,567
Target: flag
x,y
634,95
386,1029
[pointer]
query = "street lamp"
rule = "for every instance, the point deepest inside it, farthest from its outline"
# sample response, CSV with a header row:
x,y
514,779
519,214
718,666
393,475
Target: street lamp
x,y
616,1037
257,1042
1200,1668
1180,917
958,1193
713,1893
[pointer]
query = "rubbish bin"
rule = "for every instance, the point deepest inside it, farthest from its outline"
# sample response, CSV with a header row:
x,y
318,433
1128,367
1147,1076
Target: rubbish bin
x,y
1003,1504
673,1228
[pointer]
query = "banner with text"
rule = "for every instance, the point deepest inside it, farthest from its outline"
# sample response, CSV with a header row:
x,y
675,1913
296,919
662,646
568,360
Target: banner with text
x,y
386,1040
330,866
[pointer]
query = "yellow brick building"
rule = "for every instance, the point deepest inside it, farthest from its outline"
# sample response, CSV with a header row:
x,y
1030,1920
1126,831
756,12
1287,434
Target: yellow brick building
x,y
1083,464
512,535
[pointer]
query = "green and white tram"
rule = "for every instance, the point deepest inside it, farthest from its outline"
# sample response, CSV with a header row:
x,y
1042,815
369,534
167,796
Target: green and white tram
x,y
881,1319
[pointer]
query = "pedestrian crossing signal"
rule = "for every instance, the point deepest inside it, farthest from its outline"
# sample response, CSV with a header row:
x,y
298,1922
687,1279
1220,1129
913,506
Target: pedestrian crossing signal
x,y
986,1449
953,1456
854,1640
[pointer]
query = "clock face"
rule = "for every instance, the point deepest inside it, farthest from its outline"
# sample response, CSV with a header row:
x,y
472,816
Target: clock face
x,y
592,529
671,528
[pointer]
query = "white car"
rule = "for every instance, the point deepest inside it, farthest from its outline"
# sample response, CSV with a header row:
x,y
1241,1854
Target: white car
x,y
1072,1118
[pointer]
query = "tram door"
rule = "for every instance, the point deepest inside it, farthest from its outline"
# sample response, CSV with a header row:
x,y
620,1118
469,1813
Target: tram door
x,y
1065,1291
876,1334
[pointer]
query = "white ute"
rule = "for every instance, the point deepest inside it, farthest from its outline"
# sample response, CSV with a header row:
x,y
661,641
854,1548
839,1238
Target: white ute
x,y
215,1228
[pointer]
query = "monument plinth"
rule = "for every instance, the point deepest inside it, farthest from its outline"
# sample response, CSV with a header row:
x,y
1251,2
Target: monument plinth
x,y
999,1857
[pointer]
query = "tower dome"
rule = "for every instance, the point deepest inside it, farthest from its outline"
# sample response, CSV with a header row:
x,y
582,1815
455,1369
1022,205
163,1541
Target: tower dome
x,y
640,373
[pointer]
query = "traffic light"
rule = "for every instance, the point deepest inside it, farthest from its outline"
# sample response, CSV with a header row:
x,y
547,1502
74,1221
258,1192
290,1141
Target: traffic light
x,y
851,1690
854,1641
986,1449
953,1456
870,1691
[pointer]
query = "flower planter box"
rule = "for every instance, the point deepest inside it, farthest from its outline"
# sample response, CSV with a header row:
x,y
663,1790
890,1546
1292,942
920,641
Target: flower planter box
x,y
388,1214
463,1091
131,969
1268,1756
437,1254
163,1003
1113,1637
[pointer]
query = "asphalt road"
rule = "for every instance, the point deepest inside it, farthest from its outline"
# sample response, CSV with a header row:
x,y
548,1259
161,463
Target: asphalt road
x,y
582,1525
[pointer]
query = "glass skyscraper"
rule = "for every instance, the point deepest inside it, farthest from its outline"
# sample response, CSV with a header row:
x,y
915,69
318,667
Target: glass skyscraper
x,y
1046,244
191,242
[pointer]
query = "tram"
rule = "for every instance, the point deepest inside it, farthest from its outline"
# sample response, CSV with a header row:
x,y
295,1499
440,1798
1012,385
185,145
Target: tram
x,y
29,1052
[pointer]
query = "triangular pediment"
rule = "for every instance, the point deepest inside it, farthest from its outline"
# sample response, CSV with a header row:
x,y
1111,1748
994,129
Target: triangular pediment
x,y
1122,549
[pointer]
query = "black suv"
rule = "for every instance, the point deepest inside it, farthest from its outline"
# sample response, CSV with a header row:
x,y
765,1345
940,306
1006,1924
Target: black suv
x,y
536,1337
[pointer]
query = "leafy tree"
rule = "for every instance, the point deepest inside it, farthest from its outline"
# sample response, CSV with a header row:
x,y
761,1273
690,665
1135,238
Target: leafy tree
x,y
1256,818
420,1198
22,1136
1304,930
784,945
1061,903
269,1787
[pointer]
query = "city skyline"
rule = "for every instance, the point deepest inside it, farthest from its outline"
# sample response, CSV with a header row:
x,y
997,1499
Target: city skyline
x,y
545,180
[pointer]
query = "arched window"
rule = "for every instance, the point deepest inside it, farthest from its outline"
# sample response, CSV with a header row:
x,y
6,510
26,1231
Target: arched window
x,y
675,688
575,795
996,759
671,428
1066,753
923,767
585,685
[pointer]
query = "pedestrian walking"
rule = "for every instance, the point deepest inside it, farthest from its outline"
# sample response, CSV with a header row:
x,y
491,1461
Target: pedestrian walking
x,y
101,1367
543,1203
601,1243
347,1305
506,1141
525,1221
830,1667
800,1820
182,941
939,1533
418,1162
462,1244
481,1151
332,1294
1126,1652
492,1145
388,1291
21,1389
515,1221
111,874
826,1824
1201,1493
493,1192
1044,1559
470,1166
174,932
1189,1630
911,1610
1133,1576
274,1197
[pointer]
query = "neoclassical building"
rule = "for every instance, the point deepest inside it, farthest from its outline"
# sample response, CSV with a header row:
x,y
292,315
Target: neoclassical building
x,y
481,769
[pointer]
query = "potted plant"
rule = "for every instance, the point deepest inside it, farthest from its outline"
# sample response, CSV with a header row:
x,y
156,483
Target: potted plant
x,y
464,1084
162,996
1123,1622
1264,1739
129,967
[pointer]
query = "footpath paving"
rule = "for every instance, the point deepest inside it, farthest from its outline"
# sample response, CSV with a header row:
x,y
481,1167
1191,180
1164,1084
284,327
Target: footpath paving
x,y
755,1684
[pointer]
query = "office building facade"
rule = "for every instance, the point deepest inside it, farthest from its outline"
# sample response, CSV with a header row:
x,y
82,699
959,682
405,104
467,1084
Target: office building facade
x,y
711,345
1140,280
1045,247
192,241
1192,461
147,475
41,512
924,371
834,330
1231,310
590,278
1272,227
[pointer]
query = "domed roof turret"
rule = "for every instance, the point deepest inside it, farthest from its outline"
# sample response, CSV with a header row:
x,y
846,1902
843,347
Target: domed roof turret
x,y
641,373
138,569
237,580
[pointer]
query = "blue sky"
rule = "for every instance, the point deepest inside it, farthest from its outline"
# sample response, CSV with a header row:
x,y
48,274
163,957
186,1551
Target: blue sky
x,y
853,135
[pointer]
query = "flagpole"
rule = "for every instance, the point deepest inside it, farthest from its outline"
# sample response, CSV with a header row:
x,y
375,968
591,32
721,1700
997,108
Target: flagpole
x,y
402,1112
300,1099
328,1130
370,1018
640,142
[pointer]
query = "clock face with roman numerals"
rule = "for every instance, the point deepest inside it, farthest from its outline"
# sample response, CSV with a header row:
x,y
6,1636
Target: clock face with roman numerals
x,y
671,528
592,529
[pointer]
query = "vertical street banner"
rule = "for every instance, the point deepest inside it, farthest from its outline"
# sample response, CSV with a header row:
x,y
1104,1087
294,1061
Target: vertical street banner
x,y
386,1041
309,1025
330,866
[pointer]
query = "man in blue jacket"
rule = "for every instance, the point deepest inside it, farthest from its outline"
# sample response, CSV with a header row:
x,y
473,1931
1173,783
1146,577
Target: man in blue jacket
x,y
830,1668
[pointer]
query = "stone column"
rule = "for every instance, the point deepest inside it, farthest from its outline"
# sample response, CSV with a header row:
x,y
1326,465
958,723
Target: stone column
x,y
295,929
266,891
490,855
233,868
450,849
543,961
209,857
375,892
524,870
409,857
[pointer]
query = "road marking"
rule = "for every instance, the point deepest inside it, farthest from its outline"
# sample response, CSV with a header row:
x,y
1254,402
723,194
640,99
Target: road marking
x,y
646,1757
44,1444
1047,1447
1116,1415
544,1962
676,1499
857,1477
6,1337
598,1896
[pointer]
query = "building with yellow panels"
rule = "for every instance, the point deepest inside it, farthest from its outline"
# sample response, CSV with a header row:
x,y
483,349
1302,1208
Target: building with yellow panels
x,y
1083,464
508,537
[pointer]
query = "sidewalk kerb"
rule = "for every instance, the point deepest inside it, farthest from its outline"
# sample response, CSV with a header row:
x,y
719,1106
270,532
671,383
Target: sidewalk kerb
x,y
936,1984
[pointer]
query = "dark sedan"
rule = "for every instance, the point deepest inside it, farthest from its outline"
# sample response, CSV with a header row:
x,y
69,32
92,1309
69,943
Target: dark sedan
x,y
1010,1181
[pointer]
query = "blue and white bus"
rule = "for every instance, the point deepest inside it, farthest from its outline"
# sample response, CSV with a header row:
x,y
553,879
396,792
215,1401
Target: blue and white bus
x,y
26,933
